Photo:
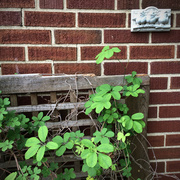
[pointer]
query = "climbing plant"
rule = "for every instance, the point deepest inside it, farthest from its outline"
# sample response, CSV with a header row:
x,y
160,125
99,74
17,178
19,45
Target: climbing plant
x,y
108,151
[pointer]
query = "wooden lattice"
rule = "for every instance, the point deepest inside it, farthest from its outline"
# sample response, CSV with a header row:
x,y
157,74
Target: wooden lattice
x,y
63,97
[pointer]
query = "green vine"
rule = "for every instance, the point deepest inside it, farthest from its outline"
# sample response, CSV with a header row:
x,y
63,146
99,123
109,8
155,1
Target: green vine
x,y
108,149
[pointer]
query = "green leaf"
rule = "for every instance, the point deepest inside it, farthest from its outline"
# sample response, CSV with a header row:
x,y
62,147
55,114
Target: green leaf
x,y
61,151
104,161
58,140
140,91
85,153
45,118
104,140
109,134
40,115
69,145
128,124
116,95
135,87
105,87
46,171
109,53
117,88
32,141
31,151
143,124
137,127
42,133
105,48
40,153
134,73
87,104
99,108
66,136
106,148
103,131
11,176
137,116
107,105
87,143
120,136
100,58
52,145
91,160
116,49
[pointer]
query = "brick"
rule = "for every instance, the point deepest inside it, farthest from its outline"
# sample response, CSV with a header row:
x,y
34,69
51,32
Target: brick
x,y
168,67
163,126
12,54
90,4
78,68
165,153
52,53
169,111
173,140
177,20
165,4
119,68
10,18
160,167
17,4
158,83
152,112
164,97
173,166
25,37
89,52
178,51
125,36
166,37
51,19
128,4
175,83
151,52
156,141
26,68
78,36
51,4
129,20
102,20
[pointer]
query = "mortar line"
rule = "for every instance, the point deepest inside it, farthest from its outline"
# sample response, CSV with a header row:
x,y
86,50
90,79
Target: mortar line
x,y
115,5
64,5
26,53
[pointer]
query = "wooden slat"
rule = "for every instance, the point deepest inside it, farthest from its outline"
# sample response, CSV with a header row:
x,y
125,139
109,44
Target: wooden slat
x,y
74,112
34,101
46,107
66,124
13,99
12,84
140,152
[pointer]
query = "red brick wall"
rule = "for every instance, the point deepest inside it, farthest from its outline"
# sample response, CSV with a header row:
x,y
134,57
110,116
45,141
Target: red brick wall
x,y
64,36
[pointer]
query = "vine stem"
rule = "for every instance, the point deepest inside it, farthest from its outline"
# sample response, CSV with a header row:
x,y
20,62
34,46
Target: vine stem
x,y
5,170
17,164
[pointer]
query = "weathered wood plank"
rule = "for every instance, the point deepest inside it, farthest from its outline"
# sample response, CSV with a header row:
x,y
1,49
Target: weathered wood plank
x,y
74,113
66,124
140,159
46,107
13,99
12,84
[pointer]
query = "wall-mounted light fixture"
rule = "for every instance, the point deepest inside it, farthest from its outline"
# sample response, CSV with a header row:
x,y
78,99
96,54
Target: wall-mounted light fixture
x,y
150,19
